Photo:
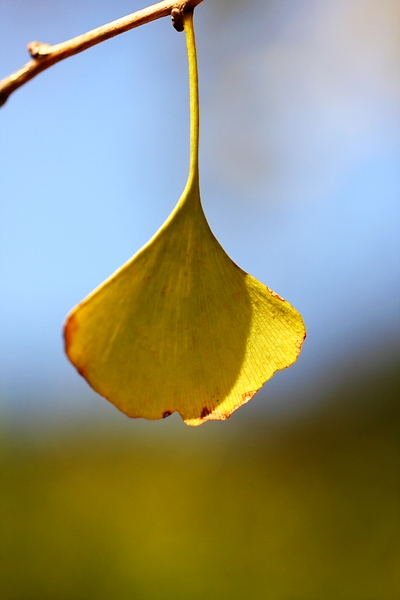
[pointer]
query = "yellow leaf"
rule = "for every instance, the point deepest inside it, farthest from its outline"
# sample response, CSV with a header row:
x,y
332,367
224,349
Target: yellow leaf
x,y
180,327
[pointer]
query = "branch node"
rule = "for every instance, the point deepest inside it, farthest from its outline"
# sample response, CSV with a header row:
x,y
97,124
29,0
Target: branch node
x,y
177,18
38,49
54,54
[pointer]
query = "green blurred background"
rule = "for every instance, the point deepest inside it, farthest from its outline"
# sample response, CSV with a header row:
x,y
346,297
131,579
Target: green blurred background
x,y
291,509
297,496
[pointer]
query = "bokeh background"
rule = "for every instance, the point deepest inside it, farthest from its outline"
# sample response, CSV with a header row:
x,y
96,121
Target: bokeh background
x,y
297,496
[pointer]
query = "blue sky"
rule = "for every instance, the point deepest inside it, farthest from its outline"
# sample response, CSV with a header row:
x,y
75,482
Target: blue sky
x,y
299,162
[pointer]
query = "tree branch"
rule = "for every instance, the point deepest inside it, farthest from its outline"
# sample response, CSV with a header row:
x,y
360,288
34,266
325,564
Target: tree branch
x,y
44,55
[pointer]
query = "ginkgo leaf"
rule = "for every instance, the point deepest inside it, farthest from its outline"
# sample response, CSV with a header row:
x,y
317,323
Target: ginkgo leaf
x,y
180,327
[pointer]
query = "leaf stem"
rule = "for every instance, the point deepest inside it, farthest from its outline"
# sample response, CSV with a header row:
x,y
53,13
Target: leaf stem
x,y
193,179
45,55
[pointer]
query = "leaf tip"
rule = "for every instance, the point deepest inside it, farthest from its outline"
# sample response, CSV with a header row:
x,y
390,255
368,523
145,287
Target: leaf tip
x,y
70,328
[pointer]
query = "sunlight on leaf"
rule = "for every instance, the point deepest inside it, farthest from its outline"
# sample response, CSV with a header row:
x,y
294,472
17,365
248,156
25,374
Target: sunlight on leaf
x,y
180,327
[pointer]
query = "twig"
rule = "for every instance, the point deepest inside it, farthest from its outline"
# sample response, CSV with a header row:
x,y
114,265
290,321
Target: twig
x,y
44,55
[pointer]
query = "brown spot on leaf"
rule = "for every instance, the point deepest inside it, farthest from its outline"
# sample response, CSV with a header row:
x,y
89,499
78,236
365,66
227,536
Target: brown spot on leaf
x,y
166,414
299,343
248,395
205,412
275,295
81,371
